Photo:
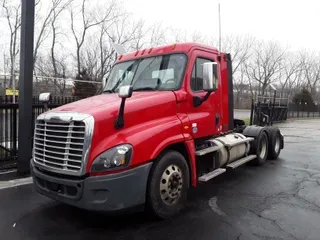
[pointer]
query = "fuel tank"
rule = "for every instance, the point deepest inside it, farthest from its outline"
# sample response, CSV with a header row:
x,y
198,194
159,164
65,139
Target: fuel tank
x,y
231,147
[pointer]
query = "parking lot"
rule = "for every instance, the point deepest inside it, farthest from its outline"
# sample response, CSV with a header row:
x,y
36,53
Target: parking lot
x,y
280,200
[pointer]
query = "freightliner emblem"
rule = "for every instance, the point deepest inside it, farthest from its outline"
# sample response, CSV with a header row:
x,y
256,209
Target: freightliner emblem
x,y
59,119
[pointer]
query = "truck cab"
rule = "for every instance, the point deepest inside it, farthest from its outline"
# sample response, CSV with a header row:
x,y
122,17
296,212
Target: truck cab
x,y
163,124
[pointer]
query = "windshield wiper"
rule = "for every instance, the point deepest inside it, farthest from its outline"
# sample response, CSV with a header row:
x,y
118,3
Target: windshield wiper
x,y
145,89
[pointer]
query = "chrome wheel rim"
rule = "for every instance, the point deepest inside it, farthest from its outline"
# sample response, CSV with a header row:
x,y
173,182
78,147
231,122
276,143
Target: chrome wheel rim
x,y
263,148
171,184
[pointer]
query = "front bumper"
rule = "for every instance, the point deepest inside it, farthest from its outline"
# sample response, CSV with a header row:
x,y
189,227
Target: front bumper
x,y
100,193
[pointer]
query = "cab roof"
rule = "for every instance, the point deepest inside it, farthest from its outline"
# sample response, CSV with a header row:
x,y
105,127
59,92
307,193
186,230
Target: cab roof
x,y
166,49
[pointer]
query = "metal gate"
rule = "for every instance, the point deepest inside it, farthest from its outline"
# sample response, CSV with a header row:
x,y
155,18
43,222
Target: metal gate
x,y
268,109
9,122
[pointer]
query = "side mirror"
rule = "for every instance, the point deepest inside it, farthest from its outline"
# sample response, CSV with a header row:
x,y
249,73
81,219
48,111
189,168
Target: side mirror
x,y
210,76
45,97
125,91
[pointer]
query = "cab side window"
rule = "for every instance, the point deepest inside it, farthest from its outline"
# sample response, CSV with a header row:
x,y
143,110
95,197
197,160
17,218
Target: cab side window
x,y
197,74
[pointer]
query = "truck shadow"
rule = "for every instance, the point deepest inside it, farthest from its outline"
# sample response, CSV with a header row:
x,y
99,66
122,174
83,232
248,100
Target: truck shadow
x,y
59,221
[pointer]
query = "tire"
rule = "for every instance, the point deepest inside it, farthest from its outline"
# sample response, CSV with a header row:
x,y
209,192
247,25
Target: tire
x,y
165,200
260,148
274,143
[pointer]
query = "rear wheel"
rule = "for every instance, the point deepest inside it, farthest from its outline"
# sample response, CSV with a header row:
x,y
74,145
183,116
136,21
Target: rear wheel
x,y
168,185
260,148
274,143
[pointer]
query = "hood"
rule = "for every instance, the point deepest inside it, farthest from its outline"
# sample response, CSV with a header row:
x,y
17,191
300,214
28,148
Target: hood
x,y
142,110
108,104
87,104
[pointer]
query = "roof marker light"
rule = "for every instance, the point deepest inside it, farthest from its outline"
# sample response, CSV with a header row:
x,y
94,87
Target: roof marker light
x,y
150,50
143,51
136,53
120,57
174,46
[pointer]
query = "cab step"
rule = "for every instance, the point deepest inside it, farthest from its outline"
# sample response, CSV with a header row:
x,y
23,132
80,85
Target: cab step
x,y
241,161
208,176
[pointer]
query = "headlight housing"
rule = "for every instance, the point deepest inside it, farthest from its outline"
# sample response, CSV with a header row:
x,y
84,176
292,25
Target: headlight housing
x,y
115,158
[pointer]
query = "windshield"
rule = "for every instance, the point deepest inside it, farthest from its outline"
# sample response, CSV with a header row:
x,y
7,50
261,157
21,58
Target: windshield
x,y
152,73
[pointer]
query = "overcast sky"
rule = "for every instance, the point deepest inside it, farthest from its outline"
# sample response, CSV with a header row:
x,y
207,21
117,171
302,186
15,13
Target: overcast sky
x,y
291,22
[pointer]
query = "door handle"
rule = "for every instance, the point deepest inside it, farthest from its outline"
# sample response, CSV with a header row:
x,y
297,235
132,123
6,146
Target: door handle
x,y
217,119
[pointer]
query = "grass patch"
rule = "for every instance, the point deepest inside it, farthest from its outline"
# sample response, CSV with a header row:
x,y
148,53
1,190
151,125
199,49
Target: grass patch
x,y
2,152
246,120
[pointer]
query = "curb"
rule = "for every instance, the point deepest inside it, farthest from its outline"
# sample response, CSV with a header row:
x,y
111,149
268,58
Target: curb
x,y
9,175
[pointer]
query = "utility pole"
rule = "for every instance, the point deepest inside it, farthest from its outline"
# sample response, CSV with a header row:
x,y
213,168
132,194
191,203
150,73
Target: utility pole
x,y
25,86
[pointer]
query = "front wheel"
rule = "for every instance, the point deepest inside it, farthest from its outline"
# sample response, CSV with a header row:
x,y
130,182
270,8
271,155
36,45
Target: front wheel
x,y
168,185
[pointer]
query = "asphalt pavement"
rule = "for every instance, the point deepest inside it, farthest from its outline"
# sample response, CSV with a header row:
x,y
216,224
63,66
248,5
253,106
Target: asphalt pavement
x,y
280,200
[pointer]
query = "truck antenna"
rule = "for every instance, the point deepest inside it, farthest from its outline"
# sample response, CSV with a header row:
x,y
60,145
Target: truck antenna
x,y
219,27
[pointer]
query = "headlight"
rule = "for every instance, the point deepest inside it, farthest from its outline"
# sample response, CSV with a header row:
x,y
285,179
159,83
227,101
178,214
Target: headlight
x,y
114,158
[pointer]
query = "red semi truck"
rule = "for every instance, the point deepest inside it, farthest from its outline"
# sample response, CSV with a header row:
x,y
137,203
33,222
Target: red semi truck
x,y
163,124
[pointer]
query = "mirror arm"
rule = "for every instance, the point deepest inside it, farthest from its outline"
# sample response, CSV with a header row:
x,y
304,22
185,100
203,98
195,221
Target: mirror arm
x,y
119,122
197,101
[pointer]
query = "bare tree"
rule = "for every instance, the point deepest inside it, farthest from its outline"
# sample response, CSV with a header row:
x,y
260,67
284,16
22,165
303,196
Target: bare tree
x,y
53,65
100,56
89,20
11,12
58,65
143,36
51,15
157,35
239,47
179,35
44,78
311,70
199,38
290,74
241,86
265,63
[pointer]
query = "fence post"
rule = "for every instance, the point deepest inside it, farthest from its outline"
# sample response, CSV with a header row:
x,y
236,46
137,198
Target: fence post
x,y
14,131
251,112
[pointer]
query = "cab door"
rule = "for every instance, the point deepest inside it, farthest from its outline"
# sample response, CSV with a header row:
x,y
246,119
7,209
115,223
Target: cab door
x,y
205,120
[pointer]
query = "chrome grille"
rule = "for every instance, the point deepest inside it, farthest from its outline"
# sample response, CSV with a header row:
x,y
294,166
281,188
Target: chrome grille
x,y
59,145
